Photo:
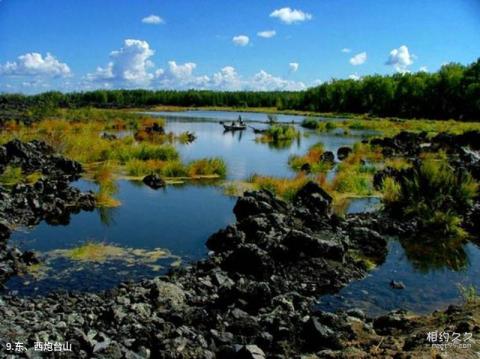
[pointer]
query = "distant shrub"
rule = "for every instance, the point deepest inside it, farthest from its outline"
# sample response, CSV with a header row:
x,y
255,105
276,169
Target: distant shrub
x,y
310,123
357,125
319,125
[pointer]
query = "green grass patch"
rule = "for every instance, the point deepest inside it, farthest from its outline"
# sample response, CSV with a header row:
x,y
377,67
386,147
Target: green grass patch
x,y
279,133
311,160
435,195
11,176
355,179
326,126
285,188
469,294
207,166
107,186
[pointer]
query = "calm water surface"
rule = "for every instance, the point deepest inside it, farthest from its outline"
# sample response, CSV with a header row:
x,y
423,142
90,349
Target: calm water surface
x,y
243,155
179,219
430,283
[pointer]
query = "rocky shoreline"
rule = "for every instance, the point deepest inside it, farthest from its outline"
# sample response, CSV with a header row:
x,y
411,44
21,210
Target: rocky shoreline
x,y
253,297
51,197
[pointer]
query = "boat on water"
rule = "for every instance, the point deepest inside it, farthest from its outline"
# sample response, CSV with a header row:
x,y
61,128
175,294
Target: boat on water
x,y
238,125
234,127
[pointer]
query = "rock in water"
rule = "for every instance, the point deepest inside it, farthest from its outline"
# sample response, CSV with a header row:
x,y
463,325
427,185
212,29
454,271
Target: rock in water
x,y
343,152
154,181
306,168
397,285
328,157
255,203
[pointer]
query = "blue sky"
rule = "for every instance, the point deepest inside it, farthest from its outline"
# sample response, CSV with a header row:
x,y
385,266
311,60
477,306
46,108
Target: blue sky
x,y
79,45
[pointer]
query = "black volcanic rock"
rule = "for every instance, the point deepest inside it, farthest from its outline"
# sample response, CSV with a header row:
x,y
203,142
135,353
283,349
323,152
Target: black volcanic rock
x,y
154,181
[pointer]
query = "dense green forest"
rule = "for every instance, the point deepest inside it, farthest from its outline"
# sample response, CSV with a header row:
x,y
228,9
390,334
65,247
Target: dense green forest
x,y
451,93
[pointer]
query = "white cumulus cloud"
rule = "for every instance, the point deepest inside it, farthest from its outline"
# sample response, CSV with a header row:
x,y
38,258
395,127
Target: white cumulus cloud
x,y
293,66
241,40
354,77
291,16
180,76
128,66
226,79
153,20
181,70
34,64
423,69
267,33
346,50
263,81
400,59
359,59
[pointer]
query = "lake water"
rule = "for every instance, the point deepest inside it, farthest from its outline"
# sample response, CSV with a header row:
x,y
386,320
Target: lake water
x,y
180,218
430,282
245,156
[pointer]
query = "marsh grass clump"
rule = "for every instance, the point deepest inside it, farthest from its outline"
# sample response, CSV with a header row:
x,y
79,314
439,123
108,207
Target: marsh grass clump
x,y
390,127
311,161
320,125
354,176
398,163
433,193
355,179
136,167
11,176
206,167
469,294
146,151
174,169
280,133
310,123
391,190
107,186
94,252
285,188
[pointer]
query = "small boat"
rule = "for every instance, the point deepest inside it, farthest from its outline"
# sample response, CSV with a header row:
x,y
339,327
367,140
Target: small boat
x,y
234,127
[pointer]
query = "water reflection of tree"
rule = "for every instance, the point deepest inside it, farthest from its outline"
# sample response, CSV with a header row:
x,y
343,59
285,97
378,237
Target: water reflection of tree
x,y
107,215
436,254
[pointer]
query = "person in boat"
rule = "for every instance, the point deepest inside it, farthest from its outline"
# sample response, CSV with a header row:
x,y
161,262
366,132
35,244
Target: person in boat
x,y
240,121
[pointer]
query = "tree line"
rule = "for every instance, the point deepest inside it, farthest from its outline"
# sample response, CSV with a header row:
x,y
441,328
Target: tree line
x,y
453,92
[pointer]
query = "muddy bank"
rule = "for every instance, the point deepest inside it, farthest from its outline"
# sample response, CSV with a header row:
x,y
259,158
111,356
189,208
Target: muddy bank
x,y
49,197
